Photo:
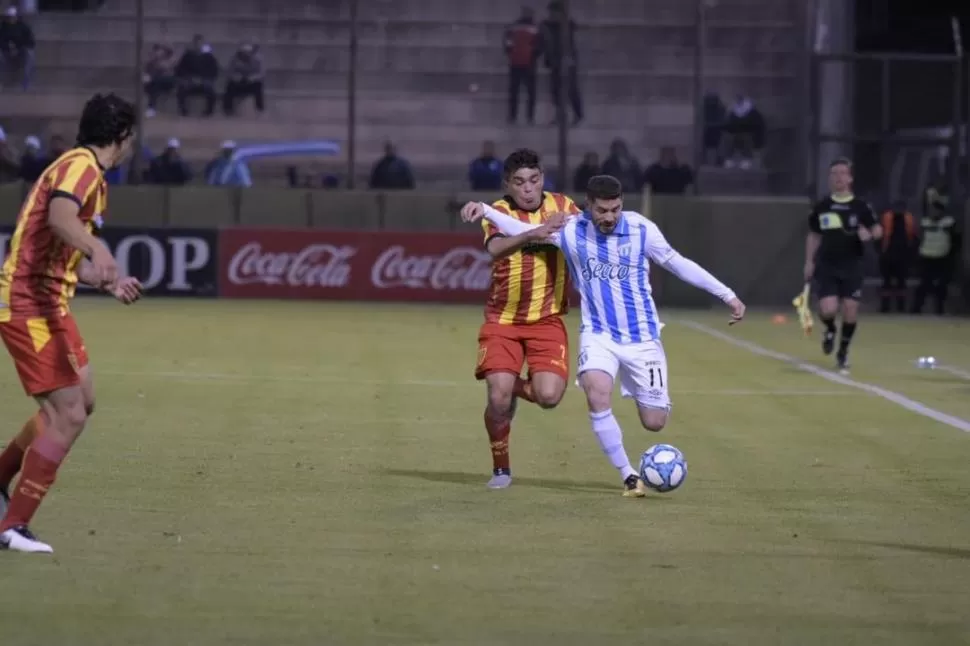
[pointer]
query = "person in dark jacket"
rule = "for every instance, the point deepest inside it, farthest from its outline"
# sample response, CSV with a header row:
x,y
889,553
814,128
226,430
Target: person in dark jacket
x,y
168,169
668,176
589,168
391,172
245,79
485,172
622,165
197,72
899,239
559,50
16,49
523,46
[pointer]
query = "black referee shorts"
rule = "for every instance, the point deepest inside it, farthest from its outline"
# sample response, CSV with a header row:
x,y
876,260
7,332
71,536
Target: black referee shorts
x,y
840,281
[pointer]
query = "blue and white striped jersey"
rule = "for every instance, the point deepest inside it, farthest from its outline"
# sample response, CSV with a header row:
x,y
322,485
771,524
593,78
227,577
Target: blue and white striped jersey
x,y
612,274
612,271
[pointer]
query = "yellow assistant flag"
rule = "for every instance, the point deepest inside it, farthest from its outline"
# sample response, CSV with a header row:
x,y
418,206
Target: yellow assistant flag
x,y
801,307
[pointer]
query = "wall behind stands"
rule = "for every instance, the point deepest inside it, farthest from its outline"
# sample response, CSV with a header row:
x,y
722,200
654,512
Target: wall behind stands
x,y
286,243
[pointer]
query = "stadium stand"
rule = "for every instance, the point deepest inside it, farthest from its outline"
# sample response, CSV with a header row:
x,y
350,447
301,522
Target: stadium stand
x,y
432,76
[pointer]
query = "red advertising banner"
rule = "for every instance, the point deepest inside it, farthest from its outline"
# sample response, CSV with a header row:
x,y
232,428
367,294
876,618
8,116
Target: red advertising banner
x,y
362,265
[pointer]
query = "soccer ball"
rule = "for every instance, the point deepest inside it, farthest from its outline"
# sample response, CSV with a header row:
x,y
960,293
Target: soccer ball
x,y
663,467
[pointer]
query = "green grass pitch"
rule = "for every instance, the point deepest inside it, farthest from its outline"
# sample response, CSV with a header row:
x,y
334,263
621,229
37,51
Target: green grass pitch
x,y
313,473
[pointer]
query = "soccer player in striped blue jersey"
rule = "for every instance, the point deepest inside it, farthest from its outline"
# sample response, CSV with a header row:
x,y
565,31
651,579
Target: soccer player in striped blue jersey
x,y
608,252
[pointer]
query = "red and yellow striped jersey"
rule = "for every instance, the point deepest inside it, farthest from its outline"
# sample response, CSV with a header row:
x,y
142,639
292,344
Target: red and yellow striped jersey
x,y
39,275
531,284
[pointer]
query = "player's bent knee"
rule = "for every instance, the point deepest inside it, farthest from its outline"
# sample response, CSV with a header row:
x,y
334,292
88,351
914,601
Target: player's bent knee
x,y
653,419
548,396
70,419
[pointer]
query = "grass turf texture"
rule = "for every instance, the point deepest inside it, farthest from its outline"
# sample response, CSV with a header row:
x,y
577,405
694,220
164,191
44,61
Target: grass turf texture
x,y
288,473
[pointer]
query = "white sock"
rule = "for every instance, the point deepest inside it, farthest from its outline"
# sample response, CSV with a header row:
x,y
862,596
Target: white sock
x,y
610,437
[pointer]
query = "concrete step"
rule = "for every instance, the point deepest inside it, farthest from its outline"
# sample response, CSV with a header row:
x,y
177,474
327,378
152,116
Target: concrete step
x,y
292,109
236,29
606,86
440,58
447,10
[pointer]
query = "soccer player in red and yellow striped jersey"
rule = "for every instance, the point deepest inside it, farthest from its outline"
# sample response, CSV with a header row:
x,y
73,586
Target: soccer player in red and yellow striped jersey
x,y
53,248
527,298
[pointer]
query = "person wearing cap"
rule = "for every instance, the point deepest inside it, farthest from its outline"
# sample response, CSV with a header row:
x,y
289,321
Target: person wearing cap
x,y
16,49
197,72
223,171
245,79
169,169
32,162
9,165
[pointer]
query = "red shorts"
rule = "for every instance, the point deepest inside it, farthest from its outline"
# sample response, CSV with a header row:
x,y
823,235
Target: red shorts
x,y
506,348
47,351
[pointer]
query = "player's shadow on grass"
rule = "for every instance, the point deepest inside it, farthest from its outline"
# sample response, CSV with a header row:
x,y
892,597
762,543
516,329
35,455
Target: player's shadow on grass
x,y
952,552
478,480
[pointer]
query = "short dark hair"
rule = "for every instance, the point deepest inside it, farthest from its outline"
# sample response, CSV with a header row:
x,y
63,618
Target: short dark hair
x,y
603,187
841,161
522,158
107,119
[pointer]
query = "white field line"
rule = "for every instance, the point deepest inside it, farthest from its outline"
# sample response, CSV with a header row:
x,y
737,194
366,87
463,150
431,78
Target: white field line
x,y
231,379
890,396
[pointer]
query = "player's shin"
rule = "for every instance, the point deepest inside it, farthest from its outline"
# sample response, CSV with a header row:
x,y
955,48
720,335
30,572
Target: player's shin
x,y
845,336
498,437
12,456
610,438
41,462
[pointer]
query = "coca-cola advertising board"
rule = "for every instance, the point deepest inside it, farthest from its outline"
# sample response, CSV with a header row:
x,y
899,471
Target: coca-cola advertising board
x,y
359,265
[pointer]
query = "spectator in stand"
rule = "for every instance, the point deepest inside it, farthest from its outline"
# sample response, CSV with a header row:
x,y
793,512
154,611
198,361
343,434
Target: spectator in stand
x,y
523,45
668,176
32,162
559,49
245,79
391,172
744,133
168,168
16,50
197,72
224,171
589,168
9,164
622,165
159,76
485,172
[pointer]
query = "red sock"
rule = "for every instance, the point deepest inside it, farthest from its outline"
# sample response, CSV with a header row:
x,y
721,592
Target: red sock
x,y
12,456
40,469
498,435
523,390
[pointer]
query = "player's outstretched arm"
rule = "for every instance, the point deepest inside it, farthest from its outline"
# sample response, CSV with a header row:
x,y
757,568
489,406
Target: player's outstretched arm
x,y
660,251
545,232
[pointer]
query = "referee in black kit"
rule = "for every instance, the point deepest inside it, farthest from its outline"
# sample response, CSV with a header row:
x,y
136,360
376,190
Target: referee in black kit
x,y
839,225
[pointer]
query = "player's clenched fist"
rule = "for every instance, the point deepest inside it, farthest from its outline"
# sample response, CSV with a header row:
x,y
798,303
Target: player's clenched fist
x,y
127,290
551,225
472,212
737,310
